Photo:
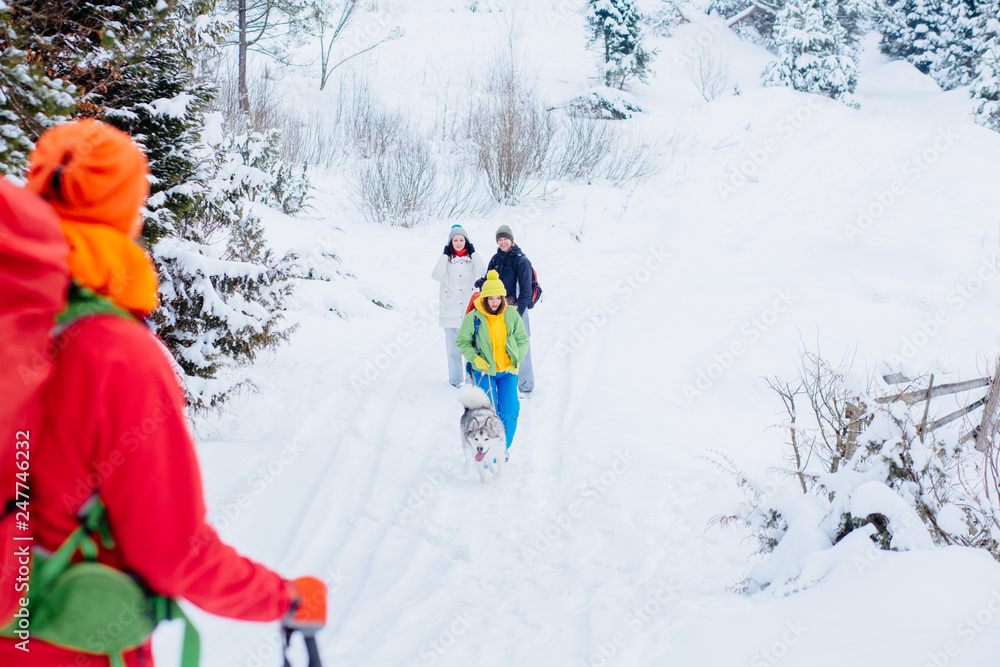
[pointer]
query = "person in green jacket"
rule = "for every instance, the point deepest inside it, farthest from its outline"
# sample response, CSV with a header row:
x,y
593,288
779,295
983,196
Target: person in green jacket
x,y
494,341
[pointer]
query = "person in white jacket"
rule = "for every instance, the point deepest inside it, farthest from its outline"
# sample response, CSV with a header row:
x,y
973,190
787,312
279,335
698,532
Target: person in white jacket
x,y
457,271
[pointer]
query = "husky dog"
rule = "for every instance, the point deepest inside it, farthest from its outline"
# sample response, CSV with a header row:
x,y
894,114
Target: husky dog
x,y
483,435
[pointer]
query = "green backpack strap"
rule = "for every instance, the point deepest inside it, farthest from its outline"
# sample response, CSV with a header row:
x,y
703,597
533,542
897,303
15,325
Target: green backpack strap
x,y
93,519
167,609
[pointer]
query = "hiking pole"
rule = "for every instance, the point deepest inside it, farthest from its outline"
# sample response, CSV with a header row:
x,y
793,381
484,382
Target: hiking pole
x,y
311,648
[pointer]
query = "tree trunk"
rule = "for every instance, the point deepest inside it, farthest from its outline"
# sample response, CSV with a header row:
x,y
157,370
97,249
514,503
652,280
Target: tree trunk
x,y
242,83
324,58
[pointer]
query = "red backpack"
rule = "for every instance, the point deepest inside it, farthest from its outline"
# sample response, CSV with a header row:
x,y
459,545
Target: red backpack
x,y
536,293
472,302
34,280
536,289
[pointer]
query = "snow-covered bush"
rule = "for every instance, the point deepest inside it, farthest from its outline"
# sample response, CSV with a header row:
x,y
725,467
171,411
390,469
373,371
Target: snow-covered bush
x,y
292,188
271,139
314,136
606,103
814,52
859,466
636,155
267,178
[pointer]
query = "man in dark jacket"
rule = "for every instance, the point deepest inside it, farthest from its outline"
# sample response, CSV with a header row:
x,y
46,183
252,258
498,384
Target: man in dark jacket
x,y
515,272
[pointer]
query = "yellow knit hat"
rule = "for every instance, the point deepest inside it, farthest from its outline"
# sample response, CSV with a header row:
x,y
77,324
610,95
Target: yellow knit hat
x,y
493,285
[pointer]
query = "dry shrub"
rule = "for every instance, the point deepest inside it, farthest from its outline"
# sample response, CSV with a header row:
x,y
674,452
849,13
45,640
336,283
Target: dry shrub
x,y
316,137
636,156
373,129
709,71
581,146
589,148
313,135
460,192
512,134
396,187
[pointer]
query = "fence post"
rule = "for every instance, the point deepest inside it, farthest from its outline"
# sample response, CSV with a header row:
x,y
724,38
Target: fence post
x,y
927,408
988,426
853,414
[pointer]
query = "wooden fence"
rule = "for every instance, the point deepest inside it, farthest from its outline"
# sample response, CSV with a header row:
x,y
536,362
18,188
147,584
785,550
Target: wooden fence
x,y
983,434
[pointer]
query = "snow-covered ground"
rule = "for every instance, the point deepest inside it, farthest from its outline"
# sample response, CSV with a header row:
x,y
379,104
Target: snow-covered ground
x,y
786,221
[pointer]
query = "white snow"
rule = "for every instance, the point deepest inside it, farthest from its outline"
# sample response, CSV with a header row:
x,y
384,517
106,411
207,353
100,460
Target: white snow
x,y
174,107
788,220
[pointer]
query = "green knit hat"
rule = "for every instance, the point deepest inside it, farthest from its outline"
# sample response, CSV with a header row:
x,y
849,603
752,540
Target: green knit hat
x,y
503,232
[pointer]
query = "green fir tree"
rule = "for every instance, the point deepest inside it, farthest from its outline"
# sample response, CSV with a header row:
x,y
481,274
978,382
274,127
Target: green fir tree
x,y
615,31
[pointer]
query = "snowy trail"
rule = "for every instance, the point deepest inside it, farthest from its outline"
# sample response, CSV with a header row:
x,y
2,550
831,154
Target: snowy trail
x,y
595,542
594,549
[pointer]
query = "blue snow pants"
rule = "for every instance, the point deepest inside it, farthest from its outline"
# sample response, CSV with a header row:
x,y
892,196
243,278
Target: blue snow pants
x,y
502,390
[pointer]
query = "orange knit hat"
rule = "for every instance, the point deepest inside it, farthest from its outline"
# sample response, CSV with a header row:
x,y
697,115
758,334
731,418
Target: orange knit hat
x,y
91,172
96,178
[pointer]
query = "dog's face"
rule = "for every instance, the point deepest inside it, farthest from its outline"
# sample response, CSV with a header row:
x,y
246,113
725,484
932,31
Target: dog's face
x,y
483,434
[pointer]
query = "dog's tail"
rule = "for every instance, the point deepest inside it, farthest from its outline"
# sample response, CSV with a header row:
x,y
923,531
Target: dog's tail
x,y
473,398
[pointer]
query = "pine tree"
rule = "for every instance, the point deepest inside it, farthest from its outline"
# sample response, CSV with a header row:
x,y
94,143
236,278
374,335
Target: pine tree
x,y
136,65
615,31
752,20
985,87
32,96
814,54
219,307
934,35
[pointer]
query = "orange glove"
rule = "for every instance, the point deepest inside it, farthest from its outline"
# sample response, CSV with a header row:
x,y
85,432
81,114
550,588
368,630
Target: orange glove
x,y
308,612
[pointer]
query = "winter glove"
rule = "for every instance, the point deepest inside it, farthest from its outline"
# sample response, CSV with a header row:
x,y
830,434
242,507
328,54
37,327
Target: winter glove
x,y
480,364
308,612
447,249
471,248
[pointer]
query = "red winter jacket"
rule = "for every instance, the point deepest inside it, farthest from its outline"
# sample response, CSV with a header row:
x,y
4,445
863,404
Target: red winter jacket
x,y
115,423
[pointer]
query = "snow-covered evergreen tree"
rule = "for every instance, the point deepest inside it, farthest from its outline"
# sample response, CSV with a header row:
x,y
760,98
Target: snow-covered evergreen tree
x,y
665,17
616,32
223,288
32,96
752,20
814,51
985,88
136,66
857,18
934,35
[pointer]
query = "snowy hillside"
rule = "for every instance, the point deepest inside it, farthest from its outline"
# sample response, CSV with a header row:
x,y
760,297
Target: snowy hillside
x,y
780,221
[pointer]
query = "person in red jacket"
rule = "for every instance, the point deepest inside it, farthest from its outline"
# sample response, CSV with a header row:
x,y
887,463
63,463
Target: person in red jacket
x,y
114,413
